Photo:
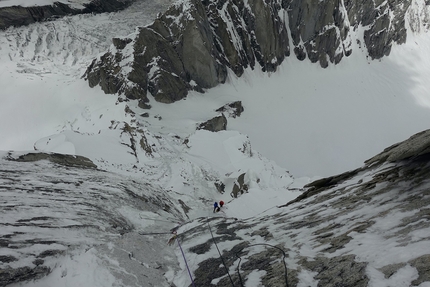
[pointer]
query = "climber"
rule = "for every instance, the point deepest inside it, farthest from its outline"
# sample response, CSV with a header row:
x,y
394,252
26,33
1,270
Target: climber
x,y
173,238
216,207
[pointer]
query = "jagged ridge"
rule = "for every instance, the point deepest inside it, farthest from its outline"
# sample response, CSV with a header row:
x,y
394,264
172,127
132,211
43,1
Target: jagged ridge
x,y
194,43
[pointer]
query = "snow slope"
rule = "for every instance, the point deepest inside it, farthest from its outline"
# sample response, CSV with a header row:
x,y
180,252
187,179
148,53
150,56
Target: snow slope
x,y
368,230
82,227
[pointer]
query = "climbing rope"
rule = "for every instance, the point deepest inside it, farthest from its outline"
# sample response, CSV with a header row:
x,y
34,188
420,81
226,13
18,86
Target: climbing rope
x,y
186,264
222,259
264,244
170,242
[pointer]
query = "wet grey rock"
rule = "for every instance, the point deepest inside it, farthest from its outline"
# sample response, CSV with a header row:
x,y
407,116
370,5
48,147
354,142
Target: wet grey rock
x,y
276,272
50,253
414,151
320,185
263,259
319,30
108,78
278,276
195,49
167,88
202,248
263,232
234,109
184,207
416,145
216,124
385,21
145,145
7,258
239,186
338,242
120,43
225,228
220,186
422,264
213,268
14,275
270,38
338,271
62,159
20,16
38,262
389,270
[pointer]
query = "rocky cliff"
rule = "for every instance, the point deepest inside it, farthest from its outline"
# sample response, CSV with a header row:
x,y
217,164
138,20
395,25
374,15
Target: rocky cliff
x,y
19,15
194,44
191,46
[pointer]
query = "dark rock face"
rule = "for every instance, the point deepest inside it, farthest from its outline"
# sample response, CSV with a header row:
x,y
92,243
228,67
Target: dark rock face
x,y
416,145
191,47
422,264
20,16
239,186
385,22
216,124
193,44
319,29
10,275
234,109
416,148
62,159
338,271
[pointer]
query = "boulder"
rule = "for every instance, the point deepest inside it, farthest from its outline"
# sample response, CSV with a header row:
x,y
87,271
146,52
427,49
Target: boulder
x,y
216,124
234,109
